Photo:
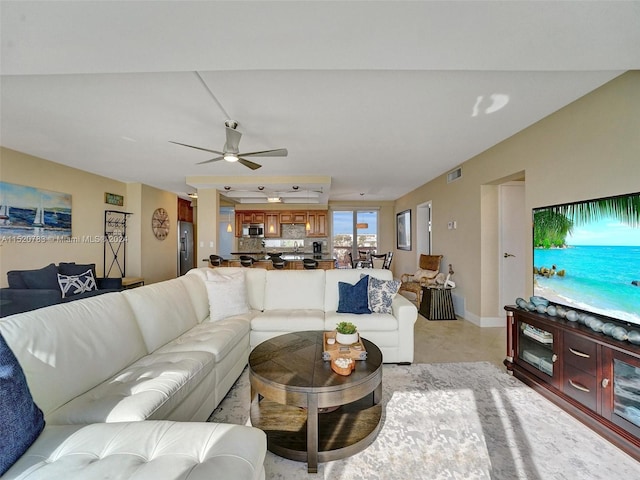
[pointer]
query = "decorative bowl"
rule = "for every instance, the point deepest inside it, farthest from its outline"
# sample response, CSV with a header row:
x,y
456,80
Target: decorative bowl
x,y
343,366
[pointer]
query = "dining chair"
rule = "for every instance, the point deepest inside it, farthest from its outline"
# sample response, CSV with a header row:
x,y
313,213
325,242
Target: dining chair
x,y
378,261
387,262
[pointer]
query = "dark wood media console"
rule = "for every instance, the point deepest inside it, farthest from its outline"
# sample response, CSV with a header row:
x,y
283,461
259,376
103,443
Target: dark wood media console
x,y
590,375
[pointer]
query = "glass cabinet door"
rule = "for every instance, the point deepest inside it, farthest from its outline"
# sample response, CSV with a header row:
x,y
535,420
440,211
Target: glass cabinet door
x,y
536,352
622,392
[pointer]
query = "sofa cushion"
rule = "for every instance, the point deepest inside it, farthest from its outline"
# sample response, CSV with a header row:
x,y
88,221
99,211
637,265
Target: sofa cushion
x,y
71,285
227,294
218,338
198,295
14,279
66,349
354,298
72,268
294,289
151,387
43,278
150,450
375,322
381,293
288,320
162,311
255,282
21,421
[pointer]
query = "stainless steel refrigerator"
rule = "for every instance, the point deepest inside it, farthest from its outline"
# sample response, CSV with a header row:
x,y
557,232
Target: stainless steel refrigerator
x,y
185,247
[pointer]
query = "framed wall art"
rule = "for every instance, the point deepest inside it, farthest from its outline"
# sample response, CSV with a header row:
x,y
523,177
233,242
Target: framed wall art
x,y
33,213
403,230
113,199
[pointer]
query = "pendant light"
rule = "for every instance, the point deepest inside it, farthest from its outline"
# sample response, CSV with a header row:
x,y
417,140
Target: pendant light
x,y
229,227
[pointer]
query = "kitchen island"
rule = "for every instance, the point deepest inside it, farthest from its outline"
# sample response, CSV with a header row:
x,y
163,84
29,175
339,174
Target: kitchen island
x,y
294,260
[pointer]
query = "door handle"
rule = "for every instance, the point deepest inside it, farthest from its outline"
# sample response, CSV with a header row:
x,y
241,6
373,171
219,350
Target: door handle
x,y
507,255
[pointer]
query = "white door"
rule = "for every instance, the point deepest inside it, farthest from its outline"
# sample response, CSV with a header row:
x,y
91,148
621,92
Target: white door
x,y
513,243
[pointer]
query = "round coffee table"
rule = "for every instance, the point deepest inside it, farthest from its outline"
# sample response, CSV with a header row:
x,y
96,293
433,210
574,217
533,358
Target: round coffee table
x,y
308,412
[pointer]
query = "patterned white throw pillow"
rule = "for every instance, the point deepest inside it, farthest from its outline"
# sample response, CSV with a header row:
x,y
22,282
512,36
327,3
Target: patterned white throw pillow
x,y
381,294
227,294
76,284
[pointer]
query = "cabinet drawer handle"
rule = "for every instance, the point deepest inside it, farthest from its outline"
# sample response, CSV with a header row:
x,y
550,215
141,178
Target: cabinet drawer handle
x,y
578,353
578,386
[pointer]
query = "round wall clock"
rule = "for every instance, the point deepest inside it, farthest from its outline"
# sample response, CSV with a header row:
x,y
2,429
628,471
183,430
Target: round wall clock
x,y
160,223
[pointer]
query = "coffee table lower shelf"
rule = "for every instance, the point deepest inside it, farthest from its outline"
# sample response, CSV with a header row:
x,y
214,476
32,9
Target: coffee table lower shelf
x,y
341,433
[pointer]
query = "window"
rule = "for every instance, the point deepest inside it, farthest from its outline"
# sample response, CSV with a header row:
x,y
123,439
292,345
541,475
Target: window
x,y
347,225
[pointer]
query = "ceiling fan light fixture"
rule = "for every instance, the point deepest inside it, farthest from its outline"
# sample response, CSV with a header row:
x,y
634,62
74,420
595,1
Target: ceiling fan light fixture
x,y
230,157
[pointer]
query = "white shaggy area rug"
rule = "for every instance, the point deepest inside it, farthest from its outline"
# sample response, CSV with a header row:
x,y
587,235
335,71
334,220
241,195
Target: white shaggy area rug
x,y
458,421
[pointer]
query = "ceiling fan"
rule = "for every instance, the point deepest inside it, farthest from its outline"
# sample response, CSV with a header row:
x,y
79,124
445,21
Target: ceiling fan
x,y
230,151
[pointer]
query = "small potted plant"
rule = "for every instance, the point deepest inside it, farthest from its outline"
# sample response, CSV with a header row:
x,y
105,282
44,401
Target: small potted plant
x,y
346,333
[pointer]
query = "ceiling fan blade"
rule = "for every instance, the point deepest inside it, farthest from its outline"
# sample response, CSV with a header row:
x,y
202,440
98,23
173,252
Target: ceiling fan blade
x,y
279,152
249,163
209,161
197,148
233,139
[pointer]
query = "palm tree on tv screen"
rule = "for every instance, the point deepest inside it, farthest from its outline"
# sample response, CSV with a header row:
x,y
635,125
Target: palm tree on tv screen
x,y
553,224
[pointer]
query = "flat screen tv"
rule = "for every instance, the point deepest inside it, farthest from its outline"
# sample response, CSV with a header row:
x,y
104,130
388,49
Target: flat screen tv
x,y
586,256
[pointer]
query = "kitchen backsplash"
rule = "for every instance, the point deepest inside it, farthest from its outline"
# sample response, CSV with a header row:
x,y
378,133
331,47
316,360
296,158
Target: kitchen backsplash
x,y
293,238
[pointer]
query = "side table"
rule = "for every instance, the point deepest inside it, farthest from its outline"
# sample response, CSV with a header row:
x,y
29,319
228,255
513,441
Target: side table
x,y
132,282
437,304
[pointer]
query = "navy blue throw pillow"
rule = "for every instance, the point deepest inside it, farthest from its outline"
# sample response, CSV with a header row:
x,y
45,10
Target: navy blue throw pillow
x,y
70,268
354,298
21,421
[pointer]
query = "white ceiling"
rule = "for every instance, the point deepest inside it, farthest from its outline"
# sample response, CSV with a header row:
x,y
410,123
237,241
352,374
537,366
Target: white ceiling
x,y
378,96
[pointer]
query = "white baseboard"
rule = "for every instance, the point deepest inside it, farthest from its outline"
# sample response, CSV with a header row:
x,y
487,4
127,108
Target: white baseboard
x,y
485,321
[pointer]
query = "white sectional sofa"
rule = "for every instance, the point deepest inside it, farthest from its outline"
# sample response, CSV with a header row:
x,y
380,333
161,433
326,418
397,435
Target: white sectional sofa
x,y
123,378
283,301
114,360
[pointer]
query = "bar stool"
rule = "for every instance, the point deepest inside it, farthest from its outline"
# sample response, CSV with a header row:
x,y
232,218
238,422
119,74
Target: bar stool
x,y
309,264
247,261
278,263
215,260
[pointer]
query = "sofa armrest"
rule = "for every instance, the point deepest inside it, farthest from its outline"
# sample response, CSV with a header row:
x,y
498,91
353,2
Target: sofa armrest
x,y
109,283
18,300
406,313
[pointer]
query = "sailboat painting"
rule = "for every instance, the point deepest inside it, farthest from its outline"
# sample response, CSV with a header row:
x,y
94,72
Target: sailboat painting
x,y
28,213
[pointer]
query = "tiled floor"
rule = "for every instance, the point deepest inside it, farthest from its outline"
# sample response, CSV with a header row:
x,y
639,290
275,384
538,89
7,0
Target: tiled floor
x,y
458,341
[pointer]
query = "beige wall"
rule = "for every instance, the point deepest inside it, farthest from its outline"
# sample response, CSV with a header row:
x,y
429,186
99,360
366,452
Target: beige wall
x,y
146,256
588,149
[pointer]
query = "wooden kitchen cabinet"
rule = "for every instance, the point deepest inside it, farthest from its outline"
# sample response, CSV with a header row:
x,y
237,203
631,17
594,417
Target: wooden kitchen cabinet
x,y
272,225
293,217
318,222
250,216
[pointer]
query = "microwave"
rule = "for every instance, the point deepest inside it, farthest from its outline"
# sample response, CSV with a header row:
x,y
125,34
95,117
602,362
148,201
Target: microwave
x,y
253,230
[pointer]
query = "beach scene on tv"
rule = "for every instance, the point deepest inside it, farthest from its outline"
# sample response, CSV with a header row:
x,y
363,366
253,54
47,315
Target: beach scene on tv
x,y
587,255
